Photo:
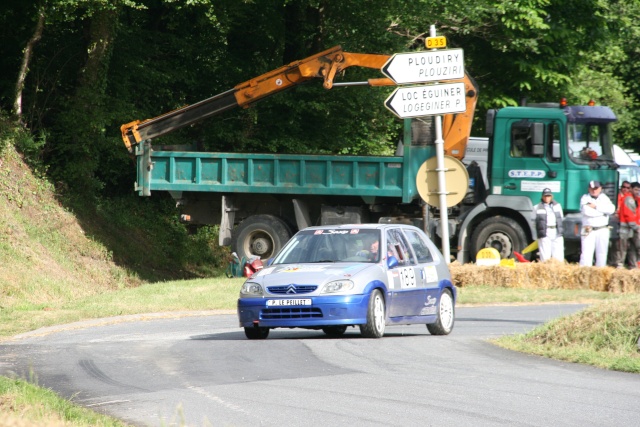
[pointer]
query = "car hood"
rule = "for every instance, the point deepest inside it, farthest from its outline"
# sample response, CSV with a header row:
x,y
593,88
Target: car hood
x,y
316,273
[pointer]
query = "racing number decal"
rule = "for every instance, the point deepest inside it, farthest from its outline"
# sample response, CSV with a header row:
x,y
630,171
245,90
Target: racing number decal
x,y
407,277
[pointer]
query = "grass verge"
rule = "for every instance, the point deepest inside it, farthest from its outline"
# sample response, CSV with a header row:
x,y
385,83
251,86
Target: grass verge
x,y
23,404
606,335
221,294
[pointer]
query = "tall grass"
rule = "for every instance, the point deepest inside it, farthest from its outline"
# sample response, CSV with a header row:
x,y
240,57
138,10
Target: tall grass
x,y
23,404
606,335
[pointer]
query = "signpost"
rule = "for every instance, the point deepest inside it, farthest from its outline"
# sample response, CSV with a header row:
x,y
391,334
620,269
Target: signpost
x,y
418,101
428,66
434,65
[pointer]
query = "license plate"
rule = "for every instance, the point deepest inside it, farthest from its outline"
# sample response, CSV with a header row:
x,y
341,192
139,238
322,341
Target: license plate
x,y
287,302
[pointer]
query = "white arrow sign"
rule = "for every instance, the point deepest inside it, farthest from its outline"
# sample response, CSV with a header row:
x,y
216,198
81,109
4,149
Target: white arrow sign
x,y
421,67
430,100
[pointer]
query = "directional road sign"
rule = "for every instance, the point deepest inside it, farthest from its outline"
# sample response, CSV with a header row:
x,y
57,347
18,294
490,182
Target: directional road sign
x,y
429,100
428,66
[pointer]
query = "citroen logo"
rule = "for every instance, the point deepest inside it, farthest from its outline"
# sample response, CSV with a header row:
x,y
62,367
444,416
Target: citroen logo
x,y
291,289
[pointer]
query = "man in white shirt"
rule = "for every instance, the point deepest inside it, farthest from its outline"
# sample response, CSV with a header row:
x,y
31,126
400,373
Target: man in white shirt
x,y
595,208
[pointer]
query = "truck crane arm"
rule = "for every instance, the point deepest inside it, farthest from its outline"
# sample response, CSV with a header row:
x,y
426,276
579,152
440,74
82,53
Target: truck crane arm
x,y
324,65
456,128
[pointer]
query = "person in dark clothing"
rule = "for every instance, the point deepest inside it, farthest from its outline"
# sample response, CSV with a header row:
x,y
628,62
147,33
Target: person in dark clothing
x,y
548,218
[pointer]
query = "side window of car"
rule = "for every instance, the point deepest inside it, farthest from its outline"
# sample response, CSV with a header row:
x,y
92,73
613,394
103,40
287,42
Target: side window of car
x,y
419,247
400,247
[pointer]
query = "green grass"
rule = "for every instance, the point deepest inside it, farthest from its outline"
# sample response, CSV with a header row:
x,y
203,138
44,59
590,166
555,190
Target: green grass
x,y
175,296
24,404
219,294
485,295
605,335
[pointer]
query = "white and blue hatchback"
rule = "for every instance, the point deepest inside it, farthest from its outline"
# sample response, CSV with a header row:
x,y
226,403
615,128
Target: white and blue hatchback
x,y
332,277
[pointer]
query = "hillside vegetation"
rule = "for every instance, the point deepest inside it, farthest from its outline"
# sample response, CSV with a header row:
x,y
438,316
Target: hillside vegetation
x,y
54,249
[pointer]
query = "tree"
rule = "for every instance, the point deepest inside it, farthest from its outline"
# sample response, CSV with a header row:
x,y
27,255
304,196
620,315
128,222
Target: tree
x,y
24,67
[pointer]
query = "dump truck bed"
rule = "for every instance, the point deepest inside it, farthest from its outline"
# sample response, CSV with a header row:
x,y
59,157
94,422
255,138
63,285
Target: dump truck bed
x,y
375,176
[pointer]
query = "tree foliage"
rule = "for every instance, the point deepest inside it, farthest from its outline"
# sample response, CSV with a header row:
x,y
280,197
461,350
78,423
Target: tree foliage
x,y
101,63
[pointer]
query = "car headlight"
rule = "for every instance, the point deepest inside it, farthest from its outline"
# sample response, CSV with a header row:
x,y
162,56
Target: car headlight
x,y
251,288
337,286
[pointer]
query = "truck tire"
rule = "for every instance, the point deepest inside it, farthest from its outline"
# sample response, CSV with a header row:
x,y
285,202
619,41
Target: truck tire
x,y
260,235
499,232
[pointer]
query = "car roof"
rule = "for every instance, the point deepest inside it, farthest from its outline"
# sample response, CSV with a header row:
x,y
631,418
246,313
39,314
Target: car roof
x,y
372,226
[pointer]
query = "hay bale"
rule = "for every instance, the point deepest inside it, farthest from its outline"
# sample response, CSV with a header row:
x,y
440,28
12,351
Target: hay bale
x,y
625,281
550,274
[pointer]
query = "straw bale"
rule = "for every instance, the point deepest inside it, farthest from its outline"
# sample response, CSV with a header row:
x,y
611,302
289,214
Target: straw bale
x,y
625,281
547,275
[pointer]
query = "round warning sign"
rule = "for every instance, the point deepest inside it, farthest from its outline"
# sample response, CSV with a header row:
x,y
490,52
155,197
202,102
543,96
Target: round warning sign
x,y
456,181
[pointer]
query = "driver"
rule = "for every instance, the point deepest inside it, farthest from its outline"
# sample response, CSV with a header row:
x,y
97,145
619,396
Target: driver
x,y
371,254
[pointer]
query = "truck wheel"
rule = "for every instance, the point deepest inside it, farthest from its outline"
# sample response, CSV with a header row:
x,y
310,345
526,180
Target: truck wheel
x,y
260,235
501,233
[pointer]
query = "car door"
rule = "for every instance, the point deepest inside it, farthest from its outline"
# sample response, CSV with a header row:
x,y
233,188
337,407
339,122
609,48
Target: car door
x,y
426,268
407,291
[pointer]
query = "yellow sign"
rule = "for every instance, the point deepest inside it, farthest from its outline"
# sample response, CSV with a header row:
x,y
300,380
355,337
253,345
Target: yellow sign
x,y
488,256
509,263
456,176
436,42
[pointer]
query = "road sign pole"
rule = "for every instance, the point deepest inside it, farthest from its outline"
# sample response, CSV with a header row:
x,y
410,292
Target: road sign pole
x,y
442,182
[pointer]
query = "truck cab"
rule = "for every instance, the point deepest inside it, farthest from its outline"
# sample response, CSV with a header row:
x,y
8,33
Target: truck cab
x,y
531,148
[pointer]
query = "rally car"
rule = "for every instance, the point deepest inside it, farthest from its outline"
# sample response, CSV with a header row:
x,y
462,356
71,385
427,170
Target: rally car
x,y
331,277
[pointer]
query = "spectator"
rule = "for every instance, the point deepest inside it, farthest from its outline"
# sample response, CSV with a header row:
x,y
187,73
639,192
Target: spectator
x,y
633,254
548,217
595,207
627,217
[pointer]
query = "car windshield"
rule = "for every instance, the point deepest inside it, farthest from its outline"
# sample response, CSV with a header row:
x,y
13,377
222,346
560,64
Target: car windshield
x,y
331,245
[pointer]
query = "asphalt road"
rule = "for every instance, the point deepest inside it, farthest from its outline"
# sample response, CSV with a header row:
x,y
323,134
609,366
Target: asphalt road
x,y
200,371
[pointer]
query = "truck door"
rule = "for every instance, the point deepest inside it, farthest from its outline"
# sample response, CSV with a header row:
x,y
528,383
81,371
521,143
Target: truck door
x,y
533,160
407,293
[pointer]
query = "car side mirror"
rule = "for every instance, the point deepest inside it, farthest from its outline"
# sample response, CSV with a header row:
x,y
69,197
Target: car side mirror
x,y
392,262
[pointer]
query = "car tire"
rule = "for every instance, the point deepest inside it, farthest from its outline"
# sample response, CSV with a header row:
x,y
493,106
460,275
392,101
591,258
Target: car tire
x,y
256,333
374,328
501,233
260,235
446,315
335,331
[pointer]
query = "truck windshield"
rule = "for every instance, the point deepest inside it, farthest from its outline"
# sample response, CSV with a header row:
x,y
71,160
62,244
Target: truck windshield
x,y
331,245
589,142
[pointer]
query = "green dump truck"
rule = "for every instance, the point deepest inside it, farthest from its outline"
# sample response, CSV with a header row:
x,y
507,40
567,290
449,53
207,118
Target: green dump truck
x,y
260,200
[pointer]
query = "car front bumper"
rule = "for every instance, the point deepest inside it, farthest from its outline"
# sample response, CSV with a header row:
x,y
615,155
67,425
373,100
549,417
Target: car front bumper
x,y
323,311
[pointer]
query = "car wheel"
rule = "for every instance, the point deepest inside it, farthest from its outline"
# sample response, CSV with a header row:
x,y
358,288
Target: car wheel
x,y
256,333
446,315
501,233
374,328
334,331
260,235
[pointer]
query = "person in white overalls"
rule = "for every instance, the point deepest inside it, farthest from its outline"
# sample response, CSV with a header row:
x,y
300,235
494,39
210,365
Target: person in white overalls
x,y
595,208
548,218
